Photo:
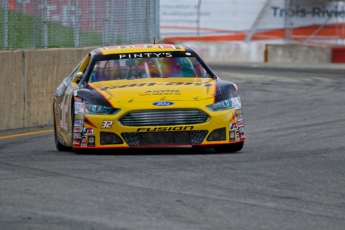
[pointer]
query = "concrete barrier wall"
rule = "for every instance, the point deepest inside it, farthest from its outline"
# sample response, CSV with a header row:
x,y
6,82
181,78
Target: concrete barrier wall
x,y
28,78
28,81
12,90
229,51
297,54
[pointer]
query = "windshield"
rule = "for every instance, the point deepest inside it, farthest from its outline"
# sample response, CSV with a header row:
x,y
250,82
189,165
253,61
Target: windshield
x,y
136,68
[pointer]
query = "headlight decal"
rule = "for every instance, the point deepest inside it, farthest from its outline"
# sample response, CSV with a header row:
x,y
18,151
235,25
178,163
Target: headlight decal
x,y
100,109
225,90
222,105
100,95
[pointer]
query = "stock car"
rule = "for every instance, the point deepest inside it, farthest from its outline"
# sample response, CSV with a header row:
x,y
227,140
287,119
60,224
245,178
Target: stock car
x,y
146,96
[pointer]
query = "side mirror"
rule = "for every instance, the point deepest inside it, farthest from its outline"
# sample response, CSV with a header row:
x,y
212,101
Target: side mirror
x,y
76,79
79,75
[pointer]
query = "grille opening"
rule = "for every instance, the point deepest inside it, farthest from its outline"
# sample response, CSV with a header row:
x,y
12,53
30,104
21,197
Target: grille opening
x,y
110,138
163,138
164,117
217,135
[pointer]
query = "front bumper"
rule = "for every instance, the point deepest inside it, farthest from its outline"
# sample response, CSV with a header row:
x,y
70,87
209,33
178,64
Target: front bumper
x,y
110,131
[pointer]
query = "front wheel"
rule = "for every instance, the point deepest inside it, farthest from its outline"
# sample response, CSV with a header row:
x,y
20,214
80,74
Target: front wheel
x,y
79,151
58,145
229,148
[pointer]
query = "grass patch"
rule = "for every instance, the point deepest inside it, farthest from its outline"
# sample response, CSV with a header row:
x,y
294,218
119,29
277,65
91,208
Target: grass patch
x,y
27,32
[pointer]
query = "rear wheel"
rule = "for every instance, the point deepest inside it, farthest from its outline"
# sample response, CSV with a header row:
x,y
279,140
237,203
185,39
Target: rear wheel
x,y
229,148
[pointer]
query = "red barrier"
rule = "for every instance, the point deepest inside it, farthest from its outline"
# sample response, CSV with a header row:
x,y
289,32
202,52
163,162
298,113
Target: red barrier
x,y
338,54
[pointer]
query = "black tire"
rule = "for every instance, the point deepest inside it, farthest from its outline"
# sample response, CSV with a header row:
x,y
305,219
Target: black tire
x,y
79,151
58,145
229,148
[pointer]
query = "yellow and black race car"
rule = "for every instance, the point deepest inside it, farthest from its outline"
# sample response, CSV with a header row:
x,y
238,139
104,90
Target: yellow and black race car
x,y
146,95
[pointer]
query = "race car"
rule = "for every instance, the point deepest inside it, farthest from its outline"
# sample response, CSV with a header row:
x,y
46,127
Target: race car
x,y
146,96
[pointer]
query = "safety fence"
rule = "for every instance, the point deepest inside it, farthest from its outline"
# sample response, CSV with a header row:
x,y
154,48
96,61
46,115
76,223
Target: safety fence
x,y
35,24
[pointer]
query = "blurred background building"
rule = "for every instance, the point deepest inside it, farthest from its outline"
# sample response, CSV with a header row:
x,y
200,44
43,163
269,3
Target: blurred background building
x,y
277,21
34,24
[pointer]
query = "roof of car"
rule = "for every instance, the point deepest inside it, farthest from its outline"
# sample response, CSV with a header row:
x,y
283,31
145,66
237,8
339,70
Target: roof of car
x,y
133,48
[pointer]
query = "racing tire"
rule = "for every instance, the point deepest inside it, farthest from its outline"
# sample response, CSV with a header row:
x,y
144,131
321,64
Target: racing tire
x,y
78,151
229,148
58,145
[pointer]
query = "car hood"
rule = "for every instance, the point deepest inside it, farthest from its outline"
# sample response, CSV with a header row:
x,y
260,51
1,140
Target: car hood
x,y
153,89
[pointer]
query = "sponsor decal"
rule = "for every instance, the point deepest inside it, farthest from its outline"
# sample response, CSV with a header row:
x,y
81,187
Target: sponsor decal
x,y
160,129
240,117
144,55
78,129
233,126
237,136
241,129
79,116
162,91
88,131
163,103
155,84
76,141
83,142
232,136
77,135
242,136
238,112
107,124
91,141
240,123
190,84
78,122
236,100
238,106
79,107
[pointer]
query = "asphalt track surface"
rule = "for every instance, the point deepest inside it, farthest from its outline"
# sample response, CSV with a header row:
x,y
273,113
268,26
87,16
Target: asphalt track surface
x,y
289,175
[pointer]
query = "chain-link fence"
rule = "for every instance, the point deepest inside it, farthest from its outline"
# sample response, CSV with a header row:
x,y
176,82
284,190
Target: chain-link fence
x,y
34,24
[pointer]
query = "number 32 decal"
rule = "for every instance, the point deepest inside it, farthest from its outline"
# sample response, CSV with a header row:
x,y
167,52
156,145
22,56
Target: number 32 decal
x,y
107,124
